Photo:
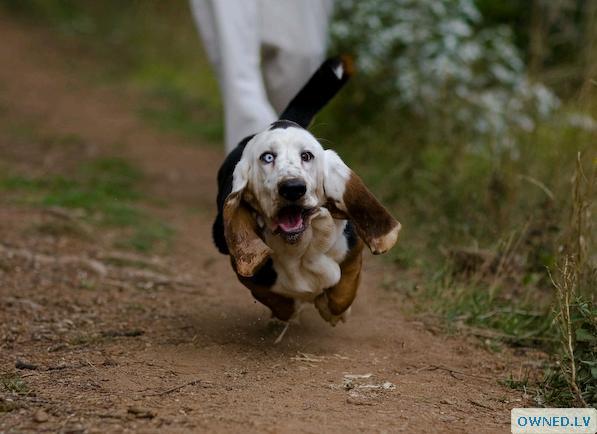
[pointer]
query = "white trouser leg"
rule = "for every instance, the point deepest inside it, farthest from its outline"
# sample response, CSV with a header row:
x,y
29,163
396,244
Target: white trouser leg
x,y
204,18
294,36
236,38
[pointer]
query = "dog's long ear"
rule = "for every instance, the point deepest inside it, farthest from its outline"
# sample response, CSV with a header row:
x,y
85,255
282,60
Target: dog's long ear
x,y
349,197
247,249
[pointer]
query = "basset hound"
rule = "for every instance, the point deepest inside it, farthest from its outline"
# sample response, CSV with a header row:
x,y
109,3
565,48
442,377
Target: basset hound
x,y
293,217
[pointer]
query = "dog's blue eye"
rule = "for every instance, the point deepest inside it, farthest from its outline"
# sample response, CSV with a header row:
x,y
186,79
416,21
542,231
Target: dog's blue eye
x,y
306,156
267,157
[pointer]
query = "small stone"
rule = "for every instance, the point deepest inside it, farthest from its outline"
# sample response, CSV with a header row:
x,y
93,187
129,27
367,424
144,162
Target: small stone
x,y
141,413
447,401
21,364
41,416
76,428
388,386
358,401
108,361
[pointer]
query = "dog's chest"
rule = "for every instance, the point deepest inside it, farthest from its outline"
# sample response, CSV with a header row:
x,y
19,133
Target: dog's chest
x,y
308,267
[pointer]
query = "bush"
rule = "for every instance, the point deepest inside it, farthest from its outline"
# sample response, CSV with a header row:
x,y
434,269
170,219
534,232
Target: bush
x,y
437,60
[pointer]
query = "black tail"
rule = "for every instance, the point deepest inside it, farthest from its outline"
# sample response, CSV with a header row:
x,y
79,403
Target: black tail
x,y
319,90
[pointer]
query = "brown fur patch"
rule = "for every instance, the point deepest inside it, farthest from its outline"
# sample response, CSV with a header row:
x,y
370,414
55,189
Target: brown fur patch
x,y
374,223
341,296
240,230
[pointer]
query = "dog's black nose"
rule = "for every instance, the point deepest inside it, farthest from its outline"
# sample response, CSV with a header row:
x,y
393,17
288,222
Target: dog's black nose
x,y
292,189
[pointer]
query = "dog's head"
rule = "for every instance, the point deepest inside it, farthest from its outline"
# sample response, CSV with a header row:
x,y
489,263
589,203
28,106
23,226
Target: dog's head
x,y
283,177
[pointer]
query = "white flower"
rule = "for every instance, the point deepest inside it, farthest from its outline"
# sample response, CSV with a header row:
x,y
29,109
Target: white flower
x,y
427,56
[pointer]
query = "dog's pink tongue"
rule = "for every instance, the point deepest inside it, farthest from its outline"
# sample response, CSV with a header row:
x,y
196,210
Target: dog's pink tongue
x,y
290,221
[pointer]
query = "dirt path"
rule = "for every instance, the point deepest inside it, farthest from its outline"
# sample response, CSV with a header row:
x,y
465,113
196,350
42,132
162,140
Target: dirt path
x,y
178,358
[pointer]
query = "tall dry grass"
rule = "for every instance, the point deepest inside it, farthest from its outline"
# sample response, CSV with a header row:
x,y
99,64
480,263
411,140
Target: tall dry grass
x,y
575,288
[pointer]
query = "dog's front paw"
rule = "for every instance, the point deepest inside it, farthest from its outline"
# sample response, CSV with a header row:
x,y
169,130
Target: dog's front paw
x,y
322,305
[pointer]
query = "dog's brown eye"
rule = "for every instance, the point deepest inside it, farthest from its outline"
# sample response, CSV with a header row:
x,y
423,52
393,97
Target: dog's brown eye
x,y
306,156
267,157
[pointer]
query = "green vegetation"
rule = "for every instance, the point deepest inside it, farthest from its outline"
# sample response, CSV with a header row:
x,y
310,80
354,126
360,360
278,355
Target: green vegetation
x,y
575,312
13,383
148,44
105,189
494,231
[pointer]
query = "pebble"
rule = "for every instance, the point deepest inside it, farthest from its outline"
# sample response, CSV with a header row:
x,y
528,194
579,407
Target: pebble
x,y
41,416
448,401
141,413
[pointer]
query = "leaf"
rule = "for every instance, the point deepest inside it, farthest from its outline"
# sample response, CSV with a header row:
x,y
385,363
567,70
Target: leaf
x,y
583,335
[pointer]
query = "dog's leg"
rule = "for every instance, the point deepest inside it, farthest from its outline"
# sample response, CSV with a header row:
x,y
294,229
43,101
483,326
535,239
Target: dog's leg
x,y
295,319
334,302
260,284
282,307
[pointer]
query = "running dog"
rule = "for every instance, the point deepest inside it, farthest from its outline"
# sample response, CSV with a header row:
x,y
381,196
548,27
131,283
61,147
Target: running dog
x,y
293,217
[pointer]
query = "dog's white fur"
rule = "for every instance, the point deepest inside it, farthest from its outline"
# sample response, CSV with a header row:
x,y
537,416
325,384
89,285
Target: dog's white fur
x,y
261,180
312,264
308,267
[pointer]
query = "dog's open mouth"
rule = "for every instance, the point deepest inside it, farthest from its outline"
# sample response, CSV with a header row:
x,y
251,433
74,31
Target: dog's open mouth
x,y
292,221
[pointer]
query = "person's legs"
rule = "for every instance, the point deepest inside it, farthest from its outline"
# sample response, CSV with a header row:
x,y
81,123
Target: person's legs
x,y
294,37
204,19
235,24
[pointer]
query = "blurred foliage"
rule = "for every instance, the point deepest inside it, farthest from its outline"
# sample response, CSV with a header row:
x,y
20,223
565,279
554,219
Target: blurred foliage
x,y
434,59
105,189
482,228
552,35
150,44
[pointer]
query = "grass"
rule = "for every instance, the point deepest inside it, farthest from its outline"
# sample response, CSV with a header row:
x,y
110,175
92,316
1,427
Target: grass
x,y
151,234
576,320
575,310
488,300
170,108
137,45
61,228
105,189
446,195
557,314
178,106
103,185
13,383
